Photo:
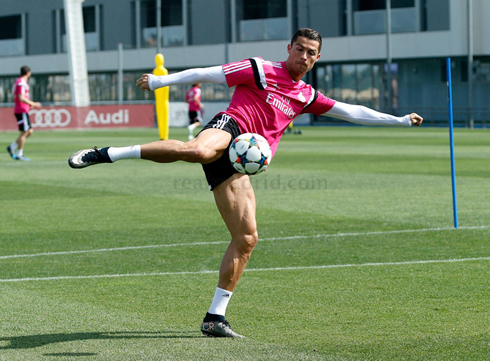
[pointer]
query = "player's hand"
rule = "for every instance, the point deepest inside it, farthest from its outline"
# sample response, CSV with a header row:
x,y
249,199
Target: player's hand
x,y
416,119
143,82
36,105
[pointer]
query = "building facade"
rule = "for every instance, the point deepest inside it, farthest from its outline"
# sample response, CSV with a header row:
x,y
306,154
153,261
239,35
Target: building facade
x,y
359,59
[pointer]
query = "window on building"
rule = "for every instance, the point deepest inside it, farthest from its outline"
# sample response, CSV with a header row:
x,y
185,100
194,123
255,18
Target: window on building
x,y
11,42
366,5
10,27
6,84
369,16
172,13
398,4
263,20
362,84
90,28
171,20
264,9
89,19
434,15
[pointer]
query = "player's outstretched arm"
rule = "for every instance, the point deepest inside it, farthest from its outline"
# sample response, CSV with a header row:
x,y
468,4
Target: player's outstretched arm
x,y
362,115
212,74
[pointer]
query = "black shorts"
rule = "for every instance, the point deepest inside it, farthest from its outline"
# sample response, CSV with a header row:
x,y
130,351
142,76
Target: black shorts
x,y
23,121
194,117
220,170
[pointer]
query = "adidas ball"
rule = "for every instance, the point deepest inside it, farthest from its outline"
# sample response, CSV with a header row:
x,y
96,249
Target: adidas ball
x,y
250,153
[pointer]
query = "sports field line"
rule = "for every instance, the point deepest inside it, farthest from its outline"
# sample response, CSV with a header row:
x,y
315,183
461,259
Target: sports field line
x,y
353,234
452,260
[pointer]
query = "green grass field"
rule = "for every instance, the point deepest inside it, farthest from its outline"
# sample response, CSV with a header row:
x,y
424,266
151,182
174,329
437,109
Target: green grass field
x,y
357,257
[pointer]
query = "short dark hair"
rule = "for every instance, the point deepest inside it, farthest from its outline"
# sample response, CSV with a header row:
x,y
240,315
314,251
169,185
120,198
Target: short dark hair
x,y
24,70
309,34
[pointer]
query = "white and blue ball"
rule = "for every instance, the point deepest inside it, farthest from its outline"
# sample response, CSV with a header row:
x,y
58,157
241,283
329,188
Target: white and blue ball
x,y
250,153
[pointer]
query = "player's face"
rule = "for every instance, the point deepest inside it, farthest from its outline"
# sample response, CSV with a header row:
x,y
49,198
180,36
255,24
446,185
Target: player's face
x,y
303,55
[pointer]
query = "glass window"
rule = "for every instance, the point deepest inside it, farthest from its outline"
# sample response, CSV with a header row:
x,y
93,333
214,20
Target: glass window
x,y
43,88
130,91
264,9
365,88
6,84
89,19
102,86
367,5
398,4
171,22
321,79
171,13
89,27
336,91
377,86
263,20
10,27
11,41
435,15
209,92
349,84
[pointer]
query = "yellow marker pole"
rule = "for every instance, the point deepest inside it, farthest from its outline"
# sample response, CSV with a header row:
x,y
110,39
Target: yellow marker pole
x,y
161,99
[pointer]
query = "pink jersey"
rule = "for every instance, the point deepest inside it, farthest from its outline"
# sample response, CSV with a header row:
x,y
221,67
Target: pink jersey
x,y
190,96
266,99
21,87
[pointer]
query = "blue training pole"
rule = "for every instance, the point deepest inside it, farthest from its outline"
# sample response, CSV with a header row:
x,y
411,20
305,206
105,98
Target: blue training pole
x,y
451,139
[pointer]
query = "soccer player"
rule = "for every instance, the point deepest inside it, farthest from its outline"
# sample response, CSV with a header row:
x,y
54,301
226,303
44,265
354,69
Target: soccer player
x,y
193,98
22,105
267,97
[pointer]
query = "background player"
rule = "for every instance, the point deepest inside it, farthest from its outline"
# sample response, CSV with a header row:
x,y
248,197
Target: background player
x,y
22,105
193,97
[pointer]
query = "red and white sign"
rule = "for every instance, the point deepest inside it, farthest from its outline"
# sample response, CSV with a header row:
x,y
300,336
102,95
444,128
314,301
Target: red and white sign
x,y
97,116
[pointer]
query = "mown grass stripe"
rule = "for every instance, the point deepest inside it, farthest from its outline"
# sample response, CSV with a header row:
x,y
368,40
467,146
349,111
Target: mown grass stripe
x,y
352,234
451,260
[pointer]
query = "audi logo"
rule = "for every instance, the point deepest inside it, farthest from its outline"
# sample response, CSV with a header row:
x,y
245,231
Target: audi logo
x,y
44,118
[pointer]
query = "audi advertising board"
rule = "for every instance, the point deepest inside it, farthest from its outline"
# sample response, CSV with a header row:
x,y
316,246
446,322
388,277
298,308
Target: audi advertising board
x,y
97,116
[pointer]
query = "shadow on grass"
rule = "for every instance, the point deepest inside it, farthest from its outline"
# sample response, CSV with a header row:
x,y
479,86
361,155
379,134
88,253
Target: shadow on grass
x,y
24,342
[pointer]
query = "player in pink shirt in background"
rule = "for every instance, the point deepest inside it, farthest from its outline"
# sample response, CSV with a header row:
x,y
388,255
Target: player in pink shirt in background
x,y
268,96
22,105
193,98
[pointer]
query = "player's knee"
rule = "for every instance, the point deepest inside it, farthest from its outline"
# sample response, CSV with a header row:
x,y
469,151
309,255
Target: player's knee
x,y
249,241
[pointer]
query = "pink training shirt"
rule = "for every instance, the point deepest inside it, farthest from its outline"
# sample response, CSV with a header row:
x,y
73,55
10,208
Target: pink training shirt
x,y
190,96
21,87
266,99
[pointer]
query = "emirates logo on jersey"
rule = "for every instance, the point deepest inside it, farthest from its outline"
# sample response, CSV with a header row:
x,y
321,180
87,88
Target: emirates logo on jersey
x,y
282,105
302,97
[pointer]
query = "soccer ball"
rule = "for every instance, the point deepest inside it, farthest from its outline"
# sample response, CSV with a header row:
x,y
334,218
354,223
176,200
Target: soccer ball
x,y
250,153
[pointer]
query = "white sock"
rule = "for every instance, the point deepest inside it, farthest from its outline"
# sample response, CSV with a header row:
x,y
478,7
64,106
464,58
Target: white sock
x,y
131,152
13,146
20,153
220,301
191,127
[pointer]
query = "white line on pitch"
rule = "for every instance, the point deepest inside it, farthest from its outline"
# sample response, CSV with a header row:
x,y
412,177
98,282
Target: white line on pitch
x,y
452,260
353,234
